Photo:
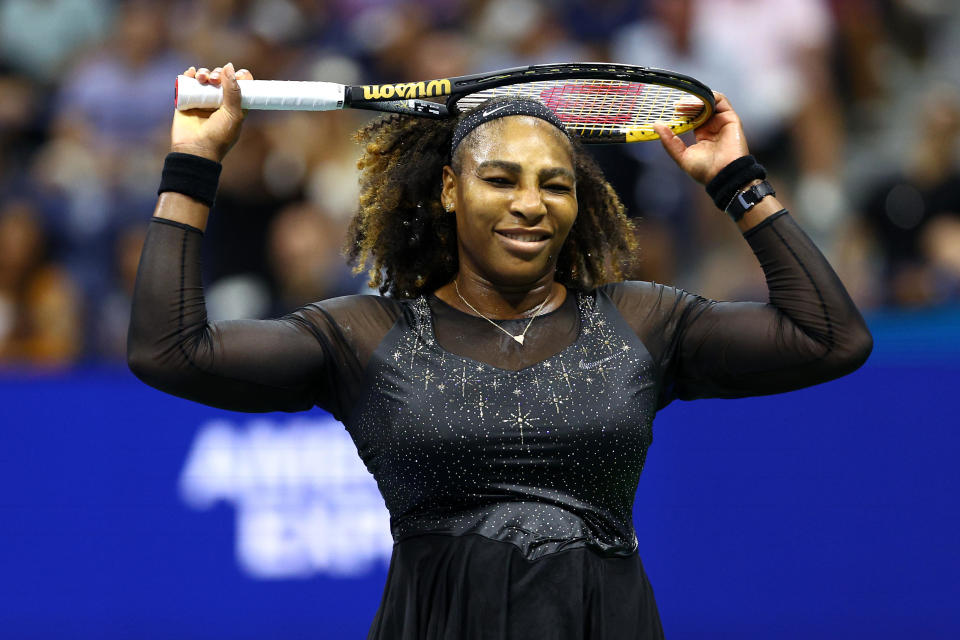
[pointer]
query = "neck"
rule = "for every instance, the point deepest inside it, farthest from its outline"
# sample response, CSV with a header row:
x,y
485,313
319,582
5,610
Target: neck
x,y
502,302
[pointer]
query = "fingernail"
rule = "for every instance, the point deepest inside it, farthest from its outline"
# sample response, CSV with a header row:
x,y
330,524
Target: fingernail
x,y
228,70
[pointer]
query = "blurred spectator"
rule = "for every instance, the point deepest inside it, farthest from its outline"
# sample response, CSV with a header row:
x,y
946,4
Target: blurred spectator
x,y
593,21
20,126
120,99
305,258
824,88
109,329
107,138
39,306
244,207
861,39
513,33
441,54
915,214
770,58
39,37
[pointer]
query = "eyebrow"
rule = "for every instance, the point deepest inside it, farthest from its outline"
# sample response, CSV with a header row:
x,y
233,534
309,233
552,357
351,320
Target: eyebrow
x,y
515,167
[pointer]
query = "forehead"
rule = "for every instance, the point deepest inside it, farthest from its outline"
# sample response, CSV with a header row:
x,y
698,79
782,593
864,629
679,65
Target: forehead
x,y
525,140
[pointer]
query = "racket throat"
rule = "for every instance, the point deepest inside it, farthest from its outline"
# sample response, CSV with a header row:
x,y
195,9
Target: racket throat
x,y
411,106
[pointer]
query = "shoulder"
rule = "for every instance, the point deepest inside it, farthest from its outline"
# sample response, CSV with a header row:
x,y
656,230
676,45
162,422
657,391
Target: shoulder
x,y
652,302
358,322
353,313
361,302
633,291
360,306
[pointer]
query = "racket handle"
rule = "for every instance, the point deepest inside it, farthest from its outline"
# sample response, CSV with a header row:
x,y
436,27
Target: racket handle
x,y
277,95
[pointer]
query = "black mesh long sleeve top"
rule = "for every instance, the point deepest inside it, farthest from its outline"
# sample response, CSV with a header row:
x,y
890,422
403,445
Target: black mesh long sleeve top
x,y
509,471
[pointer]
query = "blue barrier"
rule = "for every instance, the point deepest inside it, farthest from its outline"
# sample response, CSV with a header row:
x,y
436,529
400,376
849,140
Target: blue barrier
x,y
828,512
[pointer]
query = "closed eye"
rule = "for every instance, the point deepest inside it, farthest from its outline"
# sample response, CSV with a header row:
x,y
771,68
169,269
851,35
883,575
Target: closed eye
x,y
558,187
498,181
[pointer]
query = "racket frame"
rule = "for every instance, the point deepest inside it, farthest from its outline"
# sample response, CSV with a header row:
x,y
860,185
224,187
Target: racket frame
x,y
420,98
439,98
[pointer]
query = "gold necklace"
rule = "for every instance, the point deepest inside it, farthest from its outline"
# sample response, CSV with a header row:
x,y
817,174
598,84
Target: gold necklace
x,y
518,338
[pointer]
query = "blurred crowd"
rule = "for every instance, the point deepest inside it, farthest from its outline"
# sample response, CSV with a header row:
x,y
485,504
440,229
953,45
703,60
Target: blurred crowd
x,y
853,105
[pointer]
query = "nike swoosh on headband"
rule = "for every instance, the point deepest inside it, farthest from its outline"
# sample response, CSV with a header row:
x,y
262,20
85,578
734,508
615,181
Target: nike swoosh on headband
x,y
487,113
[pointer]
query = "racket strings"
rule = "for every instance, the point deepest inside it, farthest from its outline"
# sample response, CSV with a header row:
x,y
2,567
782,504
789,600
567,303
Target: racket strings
x,y
593,107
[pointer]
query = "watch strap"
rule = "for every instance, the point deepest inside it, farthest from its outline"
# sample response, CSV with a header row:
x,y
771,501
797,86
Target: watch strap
x,y
747,199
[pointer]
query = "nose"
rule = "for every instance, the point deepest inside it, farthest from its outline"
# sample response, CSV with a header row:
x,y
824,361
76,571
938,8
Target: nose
x,y
528,203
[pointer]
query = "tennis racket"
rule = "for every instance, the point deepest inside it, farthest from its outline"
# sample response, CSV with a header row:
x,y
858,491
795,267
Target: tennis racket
x,y
599,102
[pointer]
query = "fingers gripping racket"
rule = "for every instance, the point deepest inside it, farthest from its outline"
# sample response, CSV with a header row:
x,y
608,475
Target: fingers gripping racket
x,y
599,102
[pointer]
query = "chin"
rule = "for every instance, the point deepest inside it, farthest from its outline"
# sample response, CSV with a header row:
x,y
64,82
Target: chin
x,y
520,273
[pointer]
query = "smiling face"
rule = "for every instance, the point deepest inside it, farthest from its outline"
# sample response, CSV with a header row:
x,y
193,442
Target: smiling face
x,y
515,199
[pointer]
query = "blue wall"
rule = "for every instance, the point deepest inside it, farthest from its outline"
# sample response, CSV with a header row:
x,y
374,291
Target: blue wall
x,y
829,512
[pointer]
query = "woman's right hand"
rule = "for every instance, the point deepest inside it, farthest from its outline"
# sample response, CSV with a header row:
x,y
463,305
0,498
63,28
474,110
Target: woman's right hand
x,y
210,134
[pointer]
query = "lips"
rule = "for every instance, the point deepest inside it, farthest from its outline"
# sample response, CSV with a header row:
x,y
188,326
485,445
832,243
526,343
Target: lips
x,y
526,236
524,242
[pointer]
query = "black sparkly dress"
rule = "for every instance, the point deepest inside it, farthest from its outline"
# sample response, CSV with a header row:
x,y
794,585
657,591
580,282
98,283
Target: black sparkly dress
x,y
509,471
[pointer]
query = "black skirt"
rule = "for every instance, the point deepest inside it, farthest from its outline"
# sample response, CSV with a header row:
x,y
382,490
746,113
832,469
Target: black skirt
x,y
469,587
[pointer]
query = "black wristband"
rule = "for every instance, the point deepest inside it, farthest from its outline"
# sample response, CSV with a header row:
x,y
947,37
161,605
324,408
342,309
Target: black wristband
x,y
190,175
732,178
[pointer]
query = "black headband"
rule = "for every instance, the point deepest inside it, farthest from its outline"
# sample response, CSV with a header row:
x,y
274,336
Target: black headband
x,y
500,109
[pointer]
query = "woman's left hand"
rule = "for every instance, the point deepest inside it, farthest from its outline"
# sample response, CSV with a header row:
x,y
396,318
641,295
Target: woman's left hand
x,y
720,141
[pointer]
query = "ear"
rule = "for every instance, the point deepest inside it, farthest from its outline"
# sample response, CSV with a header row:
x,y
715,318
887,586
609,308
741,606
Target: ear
x,y
448,193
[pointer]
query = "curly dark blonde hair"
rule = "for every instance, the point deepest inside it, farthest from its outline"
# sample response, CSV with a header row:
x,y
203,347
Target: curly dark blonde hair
x,y
407,243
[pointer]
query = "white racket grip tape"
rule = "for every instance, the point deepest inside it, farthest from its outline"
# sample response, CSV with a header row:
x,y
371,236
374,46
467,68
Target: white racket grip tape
x,y
276,95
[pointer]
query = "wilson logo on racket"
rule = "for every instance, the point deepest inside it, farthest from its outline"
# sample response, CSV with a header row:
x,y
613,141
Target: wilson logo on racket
x,y
406,90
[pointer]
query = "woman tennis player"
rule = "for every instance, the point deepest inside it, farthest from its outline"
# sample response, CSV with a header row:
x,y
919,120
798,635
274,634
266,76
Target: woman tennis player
x,y
503,392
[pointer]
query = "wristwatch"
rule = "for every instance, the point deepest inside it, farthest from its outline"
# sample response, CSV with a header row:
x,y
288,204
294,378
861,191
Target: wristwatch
x,y
747,199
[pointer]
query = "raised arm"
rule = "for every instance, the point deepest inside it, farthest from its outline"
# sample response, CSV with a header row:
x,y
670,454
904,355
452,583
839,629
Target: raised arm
x,y
809,332
287,364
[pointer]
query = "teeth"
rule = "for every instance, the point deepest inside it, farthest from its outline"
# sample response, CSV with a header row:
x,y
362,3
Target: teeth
x,y
524,237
